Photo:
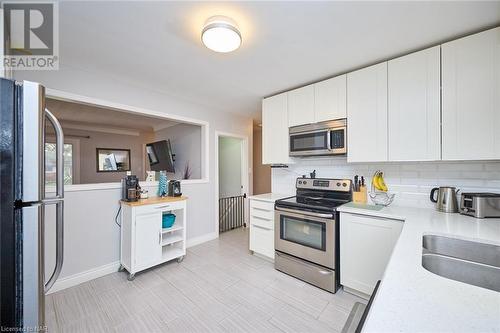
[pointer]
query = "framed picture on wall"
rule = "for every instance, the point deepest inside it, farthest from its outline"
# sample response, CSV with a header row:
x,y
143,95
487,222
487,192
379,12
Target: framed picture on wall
x,y
113,160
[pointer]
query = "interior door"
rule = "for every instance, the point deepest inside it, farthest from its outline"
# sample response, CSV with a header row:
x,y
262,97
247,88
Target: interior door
x,y
147,239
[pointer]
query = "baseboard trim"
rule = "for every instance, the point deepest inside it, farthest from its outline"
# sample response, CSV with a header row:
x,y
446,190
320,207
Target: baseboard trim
x,y
76,279
201,239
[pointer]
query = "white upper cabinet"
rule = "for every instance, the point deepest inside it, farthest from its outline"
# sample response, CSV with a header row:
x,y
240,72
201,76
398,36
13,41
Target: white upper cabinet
x,y
471,97
414,107
301,106
275,130
330,99
367,114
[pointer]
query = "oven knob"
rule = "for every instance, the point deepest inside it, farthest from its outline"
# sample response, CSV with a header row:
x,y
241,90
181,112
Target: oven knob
x,y
300,181
344,184
305,182
338,184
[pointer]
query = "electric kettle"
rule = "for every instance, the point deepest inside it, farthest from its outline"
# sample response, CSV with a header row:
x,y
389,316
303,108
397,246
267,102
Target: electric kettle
x,y
446,199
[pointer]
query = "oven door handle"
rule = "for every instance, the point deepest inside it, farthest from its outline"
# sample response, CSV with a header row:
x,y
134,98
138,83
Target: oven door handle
x,y
305,212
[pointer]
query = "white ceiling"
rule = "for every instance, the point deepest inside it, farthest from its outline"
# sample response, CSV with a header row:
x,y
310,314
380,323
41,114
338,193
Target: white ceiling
x,y
82,114
285,44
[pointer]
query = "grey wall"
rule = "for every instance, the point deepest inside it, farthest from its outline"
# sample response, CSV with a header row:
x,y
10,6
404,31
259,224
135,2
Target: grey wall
x,y
186,145
91,236
88,163
229,167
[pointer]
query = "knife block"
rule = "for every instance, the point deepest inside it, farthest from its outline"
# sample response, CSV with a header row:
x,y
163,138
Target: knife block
x,y
360,196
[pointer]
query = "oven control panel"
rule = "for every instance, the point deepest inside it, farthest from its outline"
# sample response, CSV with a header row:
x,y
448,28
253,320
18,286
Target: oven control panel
x,y
343,185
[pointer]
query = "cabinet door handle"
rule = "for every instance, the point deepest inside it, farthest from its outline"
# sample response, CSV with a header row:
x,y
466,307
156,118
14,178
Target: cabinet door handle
x,y
159,236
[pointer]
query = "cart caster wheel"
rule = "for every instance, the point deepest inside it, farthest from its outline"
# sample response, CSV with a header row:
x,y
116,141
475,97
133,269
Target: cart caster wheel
x,y
180,259
131,277
121,268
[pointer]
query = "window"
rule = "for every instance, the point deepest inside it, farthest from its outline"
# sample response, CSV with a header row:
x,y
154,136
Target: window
x,y
50,164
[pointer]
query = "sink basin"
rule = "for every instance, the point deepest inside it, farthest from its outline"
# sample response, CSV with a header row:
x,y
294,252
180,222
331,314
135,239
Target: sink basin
x,y
488,254
470,262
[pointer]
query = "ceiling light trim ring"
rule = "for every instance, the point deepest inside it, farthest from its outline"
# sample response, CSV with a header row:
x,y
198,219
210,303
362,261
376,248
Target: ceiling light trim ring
x,y
220,25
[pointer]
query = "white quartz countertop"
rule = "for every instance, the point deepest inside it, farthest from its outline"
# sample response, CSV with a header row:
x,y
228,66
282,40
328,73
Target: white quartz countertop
x,y
412,299
270,197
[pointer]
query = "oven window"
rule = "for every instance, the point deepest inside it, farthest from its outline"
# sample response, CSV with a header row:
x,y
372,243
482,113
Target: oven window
x,y
310,141
304,232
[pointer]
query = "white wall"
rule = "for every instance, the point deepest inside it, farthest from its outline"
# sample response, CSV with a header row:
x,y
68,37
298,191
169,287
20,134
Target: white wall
x,y
185,141
229,167
411,182
91,236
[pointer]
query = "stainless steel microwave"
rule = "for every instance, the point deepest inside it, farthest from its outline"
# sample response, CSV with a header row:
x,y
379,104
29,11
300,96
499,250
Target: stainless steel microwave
x,y
325,138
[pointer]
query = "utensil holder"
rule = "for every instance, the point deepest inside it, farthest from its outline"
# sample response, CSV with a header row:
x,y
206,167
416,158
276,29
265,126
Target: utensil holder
x,y
360,196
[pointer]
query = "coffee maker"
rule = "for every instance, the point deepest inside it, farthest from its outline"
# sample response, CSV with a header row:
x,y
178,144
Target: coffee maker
x,y
131,191
174,188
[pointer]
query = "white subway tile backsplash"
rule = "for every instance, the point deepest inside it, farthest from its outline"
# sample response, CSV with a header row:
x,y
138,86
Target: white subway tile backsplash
x,y
411,181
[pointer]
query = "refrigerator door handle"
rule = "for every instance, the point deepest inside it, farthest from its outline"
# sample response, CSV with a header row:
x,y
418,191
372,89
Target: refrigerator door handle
x,y
59,154
58,200
59,244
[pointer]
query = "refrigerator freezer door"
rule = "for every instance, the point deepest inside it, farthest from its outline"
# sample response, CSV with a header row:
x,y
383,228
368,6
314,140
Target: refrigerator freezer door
x,y
33,172
33,263
10,242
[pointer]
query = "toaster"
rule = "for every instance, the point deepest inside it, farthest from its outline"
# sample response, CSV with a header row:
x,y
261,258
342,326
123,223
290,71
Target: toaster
x,y
480,205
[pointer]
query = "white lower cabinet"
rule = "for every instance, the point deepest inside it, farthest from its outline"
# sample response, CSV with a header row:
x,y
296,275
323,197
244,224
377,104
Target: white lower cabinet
x,y
366,245
262,228
147,239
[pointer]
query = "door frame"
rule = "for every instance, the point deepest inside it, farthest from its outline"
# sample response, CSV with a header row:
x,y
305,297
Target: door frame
x,y
245,172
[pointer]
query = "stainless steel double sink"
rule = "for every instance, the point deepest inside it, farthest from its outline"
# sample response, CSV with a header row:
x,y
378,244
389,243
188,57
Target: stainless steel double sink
x,y
461,260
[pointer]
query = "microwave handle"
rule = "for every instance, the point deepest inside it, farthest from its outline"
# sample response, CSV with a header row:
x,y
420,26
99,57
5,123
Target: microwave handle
x,y
329,139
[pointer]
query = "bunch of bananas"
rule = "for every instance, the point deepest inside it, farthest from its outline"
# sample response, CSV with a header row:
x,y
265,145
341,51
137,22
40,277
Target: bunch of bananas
x,y
378,181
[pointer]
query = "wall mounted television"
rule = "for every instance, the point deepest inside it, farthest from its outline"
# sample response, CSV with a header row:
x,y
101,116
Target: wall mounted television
x,y
160,156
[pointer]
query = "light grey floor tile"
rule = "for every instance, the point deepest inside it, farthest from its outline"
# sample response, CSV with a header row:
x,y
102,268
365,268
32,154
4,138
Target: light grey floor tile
x,y
145,321
293,294
147,279
108,282
97,322
113,306
290,319
263,304
240,322
345,300
74,303
219,287
334,316
215,276
194,322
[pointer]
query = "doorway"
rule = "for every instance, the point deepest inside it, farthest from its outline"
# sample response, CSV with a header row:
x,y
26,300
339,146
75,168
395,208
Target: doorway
x,y
232,184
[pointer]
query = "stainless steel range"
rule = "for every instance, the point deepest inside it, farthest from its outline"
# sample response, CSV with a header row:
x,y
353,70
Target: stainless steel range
x,y
307,230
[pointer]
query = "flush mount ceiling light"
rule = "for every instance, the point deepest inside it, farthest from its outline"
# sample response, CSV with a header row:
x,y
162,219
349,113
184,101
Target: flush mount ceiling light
x,y
221,34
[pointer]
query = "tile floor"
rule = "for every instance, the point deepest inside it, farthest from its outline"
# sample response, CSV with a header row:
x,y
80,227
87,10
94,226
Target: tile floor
x,y
219,287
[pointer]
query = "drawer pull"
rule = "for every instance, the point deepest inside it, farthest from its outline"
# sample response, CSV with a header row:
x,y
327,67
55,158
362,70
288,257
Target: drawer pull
x,y
260,227
161,207
262,209
261,218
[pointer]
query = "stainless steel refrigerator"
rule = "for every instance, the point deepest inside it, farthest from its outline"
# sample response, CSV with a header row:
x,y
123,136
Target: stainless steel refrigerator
x,y
23,282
